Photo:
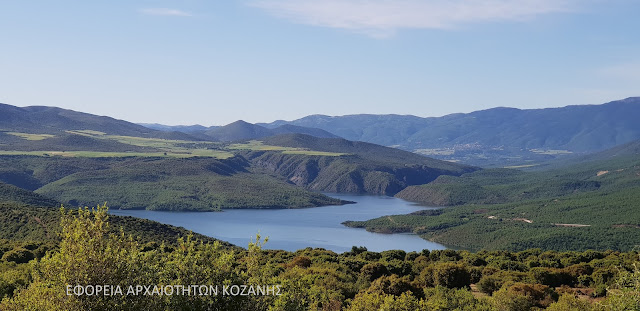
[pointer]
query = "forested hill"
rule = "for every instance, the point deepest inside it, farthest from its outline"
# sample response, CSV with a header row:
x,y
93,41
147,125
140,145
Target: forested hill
x,y
10,193
194,184
364,150
339,165
610,170
241,130
54,120
28,216
588,205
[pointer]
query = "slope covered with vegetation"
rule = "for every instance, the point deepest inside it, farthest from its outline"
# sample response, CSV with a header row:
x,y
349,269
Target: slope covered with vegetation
x,y
54,120
88,254
590,205
195,184
139,172
27,216
65,142
359,168
241,130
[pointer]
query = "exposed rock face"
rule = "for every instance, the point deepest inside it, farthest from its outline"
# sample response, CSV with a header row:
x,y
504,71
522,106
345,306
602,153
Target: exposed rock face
x,y
344,174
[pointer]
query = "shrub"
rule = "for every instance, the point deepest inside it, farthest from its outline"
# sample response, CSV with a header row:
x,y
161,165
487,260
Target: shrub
x,y
18,255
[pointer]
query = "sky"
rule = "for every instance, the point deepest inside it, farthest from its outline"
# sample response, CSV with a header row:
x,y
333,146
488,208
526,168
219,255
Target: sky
x,y
212,62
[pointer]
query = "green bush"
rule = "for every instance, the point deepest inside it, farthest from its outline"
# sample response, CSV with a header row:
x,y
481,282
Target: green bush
x,y
18,255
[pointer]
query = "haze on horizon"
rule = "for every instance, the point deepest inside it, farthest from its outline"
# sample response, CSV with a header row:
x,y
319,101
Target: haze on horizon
x,y
211,63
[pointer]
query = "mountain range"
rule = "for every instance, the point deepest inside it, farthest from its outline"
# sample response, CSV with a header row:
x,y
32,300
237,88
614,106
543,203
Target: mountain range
x,y
82,159
493,137
54,120
583,128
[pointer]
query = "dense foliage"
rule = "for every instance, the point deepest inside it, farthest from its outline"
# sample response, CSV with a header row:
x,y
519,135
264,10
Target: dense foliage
x,y
28,223
91,253
196,184
593,205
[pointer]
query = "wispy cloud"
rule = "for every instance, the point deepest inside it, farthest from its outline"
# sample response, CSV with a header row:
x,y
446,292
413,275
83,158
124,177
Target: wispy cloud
x,y
384,17
164,12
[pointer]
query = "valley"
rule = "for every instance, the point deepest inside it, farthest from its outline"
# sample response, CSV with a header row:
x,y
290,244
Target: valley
x,y
337,155
557,222
248,166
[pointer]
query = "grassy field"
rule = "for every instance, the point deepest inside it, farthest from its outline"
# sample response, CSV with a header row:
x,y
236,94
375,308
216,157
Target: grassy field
x,y
314,153
218,154
88,132
255,145
160,147
31,136
550,151
156,147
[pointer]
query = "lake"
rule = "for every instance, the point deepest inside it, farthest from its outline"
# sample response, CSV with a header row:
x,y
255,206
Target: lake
x,y
293,229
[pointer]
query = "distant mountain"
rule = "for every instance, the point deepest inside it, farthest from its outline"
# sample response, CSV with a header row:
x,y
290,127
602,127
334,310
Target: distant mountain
x,y
68,142
53,120
177,128
498,132
241,130
386,130
294,129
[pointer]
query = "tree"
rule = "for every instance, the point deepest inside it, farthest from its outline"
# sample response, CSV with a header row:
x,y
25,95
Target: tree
x,y
625,293
568,302
447,274
18,255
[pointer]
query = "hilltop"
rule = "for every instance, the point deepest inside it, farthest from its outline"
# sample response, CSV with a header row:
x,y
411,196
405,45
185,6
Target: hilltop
x,y
240,130
54,120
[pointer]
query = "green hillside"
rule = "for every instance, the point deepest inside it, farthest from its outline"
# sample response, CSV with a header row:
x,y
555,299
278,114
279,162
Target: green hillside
x,y
140,172
65,142
35,275
10,193
30,217
590,205
498,186
197,184
241,130
54,120
351,167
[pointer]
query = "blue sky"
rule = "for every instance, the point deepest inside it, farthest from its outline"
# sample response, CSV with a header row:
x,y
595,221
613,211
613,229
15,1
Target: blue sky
x,y
213,62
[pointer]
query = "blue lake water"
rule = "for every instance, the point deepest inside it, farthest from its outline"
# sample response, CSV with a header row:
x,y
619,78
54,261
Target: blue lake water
x,y
293,229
